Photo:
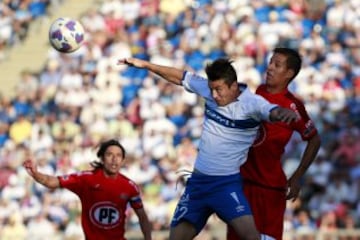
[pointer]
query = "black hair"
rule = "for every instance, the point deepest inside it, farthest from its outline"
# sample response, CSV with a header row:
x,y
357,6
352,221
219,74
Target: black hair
x,y
102,149
293,59
221,69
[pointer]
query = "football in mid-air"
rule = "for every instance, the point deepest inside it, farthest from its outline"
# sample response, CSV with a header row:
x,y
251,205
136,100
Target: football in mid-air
x,y
66,35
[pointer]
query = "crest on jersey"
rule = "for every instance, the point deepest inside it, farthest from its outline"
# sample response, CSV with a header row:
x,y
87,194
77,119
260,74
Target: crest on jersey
x,y
105,215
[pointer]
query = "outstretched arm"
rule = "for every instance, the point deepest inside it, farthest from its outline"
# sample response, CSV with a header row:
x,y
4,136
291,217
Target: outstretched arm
x,y
44,179
170,74
144,223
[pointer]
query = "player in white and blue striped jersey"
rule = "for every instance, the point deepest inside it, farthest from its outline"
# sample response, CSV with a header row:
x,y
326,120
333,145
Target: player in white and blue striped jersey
x,y
232,118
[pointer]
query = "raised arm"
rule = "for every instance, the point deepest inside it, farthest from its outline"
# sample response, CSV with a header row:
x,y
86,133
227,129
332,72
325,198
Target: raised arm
x,y
144,223
44,179
170,74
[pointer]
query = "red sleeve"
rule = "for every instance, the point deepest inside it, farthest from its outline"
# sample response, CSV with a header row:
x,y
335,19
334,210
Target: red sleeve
x,y
135,198
74,181
305,126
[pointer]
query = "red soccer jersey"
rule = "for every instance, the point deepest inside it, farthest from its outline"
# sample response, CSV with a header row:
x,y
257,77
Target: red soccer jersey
x,y
263,165
104,201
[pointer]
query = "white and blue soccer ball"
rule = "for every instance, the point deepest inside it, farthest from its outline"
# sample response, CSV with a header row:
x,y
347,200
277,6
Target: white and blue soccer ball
x,y
66,35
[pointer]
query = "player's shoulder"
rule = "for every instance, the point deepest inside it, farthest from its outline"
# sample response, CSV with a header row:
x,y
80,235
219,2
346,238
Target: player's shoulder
x,y
85,173
122,177
127,182
248,97
246,92
293,98
284,98
193,77
80,176
294,102
261,88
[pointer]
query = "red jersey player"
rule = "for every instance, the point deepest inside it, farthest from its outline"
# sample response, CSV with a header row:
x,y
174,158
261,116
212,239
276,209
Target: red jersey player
x,y
104,194
265,184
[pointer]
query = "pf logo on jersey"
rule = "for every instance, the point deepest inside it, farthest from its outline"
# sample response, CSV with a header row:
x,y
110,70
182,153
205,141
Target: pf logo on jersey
x,y
105,215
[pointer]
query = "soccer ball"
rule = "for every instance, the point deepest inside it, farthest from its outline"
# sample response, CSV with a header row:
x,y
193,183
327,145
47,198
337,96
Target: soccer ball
x,y
66,35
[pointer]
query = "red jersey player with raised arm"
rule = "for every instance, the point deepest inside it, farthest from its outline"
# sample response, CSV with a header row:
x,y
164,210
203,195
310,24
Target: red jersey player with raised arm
x,y
104,194
265,185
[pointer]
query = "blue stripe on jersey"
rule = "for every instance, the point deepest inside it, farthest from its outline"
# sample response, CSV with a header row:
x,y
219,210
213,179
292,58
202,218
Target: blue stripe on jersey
x,y
136,199
227,122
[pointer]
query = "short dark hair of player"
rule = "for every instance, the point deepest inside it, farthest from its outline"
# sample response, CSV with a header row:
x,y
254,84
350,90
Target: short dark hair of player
x,y
102,149
293,61
221,69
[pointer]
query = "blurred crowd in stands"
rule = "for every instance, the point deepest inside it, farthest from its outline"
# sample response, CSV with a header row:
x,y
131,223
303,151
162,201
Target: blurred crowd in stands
x,y
60,114
16,16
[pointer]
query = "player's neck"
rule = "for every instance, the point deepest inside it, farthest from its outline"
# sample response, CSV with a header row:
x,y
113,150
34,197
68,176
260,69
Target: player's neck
x,y
109,174
275,89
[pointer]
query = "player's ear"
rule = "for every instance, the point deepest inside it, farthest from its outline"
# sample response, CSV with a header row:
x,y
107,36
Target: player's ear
x,y
234,85
290,74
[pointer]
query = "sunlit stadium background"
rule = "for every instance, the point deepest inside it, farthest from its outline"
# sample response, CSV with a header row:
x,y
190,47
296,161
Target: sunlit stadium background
x,y
56,108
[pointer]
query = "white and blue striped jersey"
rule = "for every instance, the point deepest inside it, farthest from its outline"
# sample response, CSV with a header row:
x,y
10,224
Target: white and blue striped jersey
x,y
228,131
